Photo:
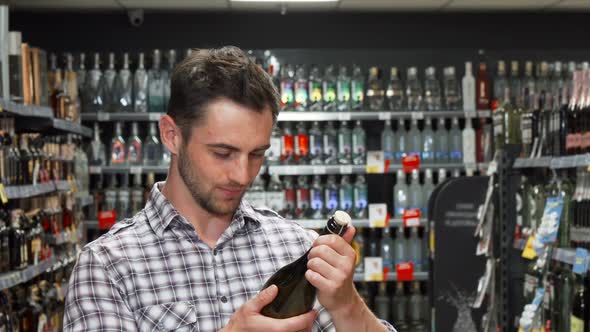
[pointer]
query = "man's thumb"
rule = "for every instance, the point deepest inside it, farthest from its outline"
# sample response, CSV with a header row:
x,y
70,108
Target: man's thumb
x,y
263,298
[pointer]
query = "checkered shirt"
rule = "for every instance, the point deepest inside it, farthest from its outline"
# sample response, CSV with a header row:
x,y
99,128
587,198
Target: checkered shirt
x,y
153,273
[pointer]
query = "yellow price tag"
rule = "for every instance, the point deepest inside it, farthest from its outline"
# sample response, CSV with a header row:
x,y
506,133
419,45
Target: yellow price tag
x,y
529,251
373,169
3,196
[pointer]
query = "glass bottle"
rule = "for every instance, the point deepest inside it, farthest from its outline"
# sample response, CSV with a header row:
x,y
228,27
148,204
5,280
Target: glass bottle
x,y
428,139
346,194
330,144
343,89
414,90
441,143
124,87
118,146
93,90
301,89
395,91
156,85
482,92
400,195
452,90
357,88
359,138
287,87
134,148
140,86
316,144
387,141
108,85
375,91
152,150
432,93
329,90
315,89
360,197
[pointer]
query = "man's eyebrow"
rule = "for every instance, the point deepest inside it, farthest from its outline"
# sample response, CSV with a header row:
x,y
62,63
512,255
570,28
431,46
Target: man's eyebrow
x,y
233,148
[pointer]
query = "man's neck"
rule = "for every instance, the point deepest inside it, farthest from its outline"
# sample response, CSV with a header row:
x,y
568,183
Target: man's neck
x,y
209,227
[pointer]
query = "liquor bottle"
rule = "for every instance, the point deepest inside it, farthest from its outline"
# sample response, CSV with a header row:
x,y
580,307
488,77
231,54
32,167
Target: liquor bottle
x,y
357,88
360,197
558,90
331,195
256,195
468,88
140,86
273,154
15,68
346,195
329,90
501,87
401,146
427,189
482,93
387,141
82,74
288,145
26,160
441,143
301,145
383,303
110,195
358,244
275,198
167,72
399,305
136,194
97,149
513,115
414,91
542,98
331,144
344,144
528,87
567,297
359,138
579,315
152,150
400,195
415,309
296,295
414,139
343,89
108,85
415,249
124,198
452,90
134,147
415,195
432,93
455,142
93,88
303,203
427,155
387,250
375,93
316,193
395,91
118,146
316,146
468,138
566,191
315,89
373,249
301,89
124,87
72,107
290,198
156,84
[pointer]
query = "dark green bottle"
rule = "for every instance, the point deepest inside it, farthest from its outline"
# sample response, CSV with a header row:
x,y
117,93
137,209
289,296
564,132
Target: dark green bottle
x,y
296,295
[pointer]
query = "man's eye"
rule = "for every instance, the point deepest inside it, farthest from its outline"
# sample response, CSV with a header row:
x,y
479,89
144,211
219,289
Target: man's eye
x,y
258,155
222,155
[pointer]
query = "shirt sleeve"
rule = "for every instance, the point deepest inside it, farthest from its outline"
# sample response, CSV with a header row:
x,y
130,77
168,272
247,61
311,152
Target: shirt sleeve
x,y
93,302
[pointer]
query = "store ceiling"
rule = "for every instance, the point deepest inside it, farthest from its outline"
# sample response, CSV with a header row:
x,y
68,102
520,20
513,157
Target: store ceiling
x,y
342,5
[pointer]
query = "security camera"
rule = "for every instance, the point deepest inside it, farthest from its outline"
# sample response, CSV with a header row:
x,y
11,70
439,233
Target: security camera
x,y
135,17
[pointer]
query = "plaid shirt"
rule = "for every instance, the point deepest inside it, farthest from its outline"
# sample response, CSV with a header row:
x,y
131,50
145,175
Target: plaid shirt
x,y
152,272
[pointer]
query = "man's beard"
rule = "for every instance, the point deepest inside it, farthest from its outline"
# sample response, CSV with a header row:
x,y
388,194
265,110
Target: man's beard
x,y
199,194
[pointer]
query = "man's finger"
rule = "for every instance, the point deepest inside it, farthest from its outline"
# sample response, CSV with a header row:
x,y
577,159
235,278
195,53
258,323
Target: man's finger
x,y
262,299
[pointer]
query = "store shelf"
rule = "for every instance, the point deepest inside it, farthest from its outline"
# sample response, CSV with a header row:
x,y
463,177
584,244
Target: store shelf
x,y
320,223
303,116
84,200
25,191
13,108
13,278
62,185
58,239
71,127
127,169
580,160
316,169
392,276
559,254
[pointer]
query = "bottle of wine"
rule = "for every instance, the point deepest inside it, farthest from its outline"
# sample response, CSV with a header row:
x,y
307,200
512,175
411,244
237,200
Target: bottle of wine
x,y
296,295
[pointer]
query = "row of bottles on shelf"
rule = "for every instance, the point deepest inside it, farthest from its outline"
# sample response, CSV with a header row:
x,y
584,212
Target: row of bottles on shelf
x,y
406,305
37,305
126,201
317,146
130,151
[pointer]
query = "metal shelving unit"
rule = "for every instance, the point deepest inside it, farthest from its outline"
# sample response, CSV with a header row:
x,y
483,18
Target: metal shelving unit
x,y
25,191
579,160
13,278
392,276
559,254
12,108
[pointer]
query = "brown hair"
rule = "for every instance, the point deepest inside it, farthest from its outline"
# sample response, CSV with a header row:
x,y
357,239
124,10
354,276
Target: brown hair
x,y
209,74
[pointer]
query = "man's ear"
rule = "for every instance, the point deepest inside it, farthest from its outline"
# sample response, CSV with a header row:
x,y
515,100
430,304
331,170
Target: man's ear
x,y
170,134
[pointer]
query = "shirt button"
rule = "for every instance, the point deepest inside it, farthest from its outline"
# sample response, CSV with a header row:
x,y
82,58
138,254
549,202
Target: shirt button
x,y
223,299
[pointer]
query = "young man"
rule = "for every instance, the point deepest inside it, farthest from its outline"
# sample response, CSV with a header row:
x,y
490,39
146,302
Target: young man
x,y
196,257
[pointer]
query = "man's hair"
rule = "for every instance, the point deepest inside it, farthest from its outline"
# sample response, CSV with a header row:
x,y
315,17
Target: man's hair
x,y
209,74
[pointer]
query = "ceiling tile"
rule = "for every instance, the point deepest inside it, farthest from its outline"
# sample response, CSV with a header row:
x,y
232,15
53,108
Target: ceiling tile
x,y
369,5
499,4
176,4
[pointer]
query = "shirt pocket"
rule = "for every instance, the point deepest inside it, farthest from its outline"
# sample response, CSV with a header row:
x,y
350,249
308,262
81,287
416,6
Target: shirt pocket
x,y
176,316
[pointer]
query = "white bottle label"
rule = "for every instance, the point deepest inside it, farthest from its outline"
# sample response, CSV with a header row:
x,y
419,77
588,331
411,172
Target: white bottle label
x,y
256,198
275,200
468,93
275,148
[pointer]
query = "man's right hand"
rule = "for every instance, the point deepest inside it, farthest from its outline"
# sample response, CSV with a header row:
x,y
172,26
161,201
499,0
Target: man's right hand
x,y
249,319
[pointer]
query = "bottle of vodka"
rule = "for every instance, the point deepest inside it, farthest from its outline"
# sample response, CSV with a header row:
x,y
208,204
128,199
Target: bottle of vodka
x,y
387,141
97,156
427,189
302,144
432,93
442,176
152,150
93,91
415,304
468,87
256,195
136,194
346,194
344,144
501,88
528,86
81,74
316,144
452,90
359,145
124,87
275,198
395,91
134,147
273,154
140,86
331,195
441,143
168,76
110,196
343,89
415,249
330,144
455,143
124,198
290,196
414,92
329,89
416,197
156,84
108,85
357,88
515,85
428,139
288,145
287,87
387,250
315,89
360,197
316,194
375,92
401,245
401,145
414,139
468,144
303,197
118,146
301,89
400,195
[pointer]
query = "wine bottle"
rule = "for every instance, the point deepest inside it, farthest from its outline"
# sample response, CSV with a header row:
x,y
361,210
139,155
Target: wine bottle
x,y
296,295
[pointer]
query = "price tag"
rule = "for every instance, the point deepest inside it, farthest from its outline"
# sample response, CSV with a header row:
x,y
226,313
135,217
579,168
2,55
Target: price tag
x,y
405,271
412,218
106,219
154,116
94,169
135,170
581,261
377,215
102,116
373,269
375,162
529,250
318,170
410,163
384,116
346,169
470,114
417,115
3,196
344,116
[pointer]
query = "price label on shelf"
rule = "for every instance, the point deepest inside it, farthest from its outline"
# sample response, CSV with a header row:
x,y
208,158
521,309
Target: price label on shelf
x,y
470,114
3,196
411,218
318,170
405,271
344,116
384,116
102,116
378,215
410,163
154,116
373,269
346,169
106,219
94,169
135,170
375,162
417,115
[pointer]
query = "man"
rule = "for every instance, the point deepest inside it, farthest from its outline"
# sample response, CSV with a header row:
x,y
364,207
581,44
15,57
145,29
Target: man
x,y
195,258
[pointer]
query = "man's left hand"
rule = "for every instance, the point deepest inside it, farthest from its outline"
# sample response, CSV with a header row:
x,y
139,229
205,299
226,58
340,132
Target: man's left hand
x,y
331,269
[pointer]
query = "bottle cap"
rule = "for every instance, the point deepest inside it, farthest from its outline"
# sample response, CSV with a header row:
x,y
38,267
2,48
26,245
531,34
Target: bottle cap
x,y
342,218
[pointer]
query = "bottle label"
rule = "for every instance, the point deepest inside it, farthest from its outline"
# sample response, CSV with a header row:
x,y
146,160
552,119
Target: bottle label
x,y
441,155
329,92
315,145
118,153
526,129
358,144
498,120
344,144
275,200
469,150
256,198
360,197
346,199
456,155
302,199
290,199
576,324
302,145
343,90
301,93
287,145
317,202
357,90
530,284
331,199
287,97
134,155
330,145
315,92
274,152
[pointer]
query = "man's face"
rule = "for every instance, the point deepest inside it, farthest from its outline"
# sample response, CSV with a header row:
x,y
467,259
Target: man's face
x,y
224,155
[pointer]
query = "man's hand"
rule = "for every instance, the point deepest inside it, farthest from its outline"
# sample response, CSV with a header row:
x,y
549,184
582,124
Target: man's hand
x,y
248,317
331,270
